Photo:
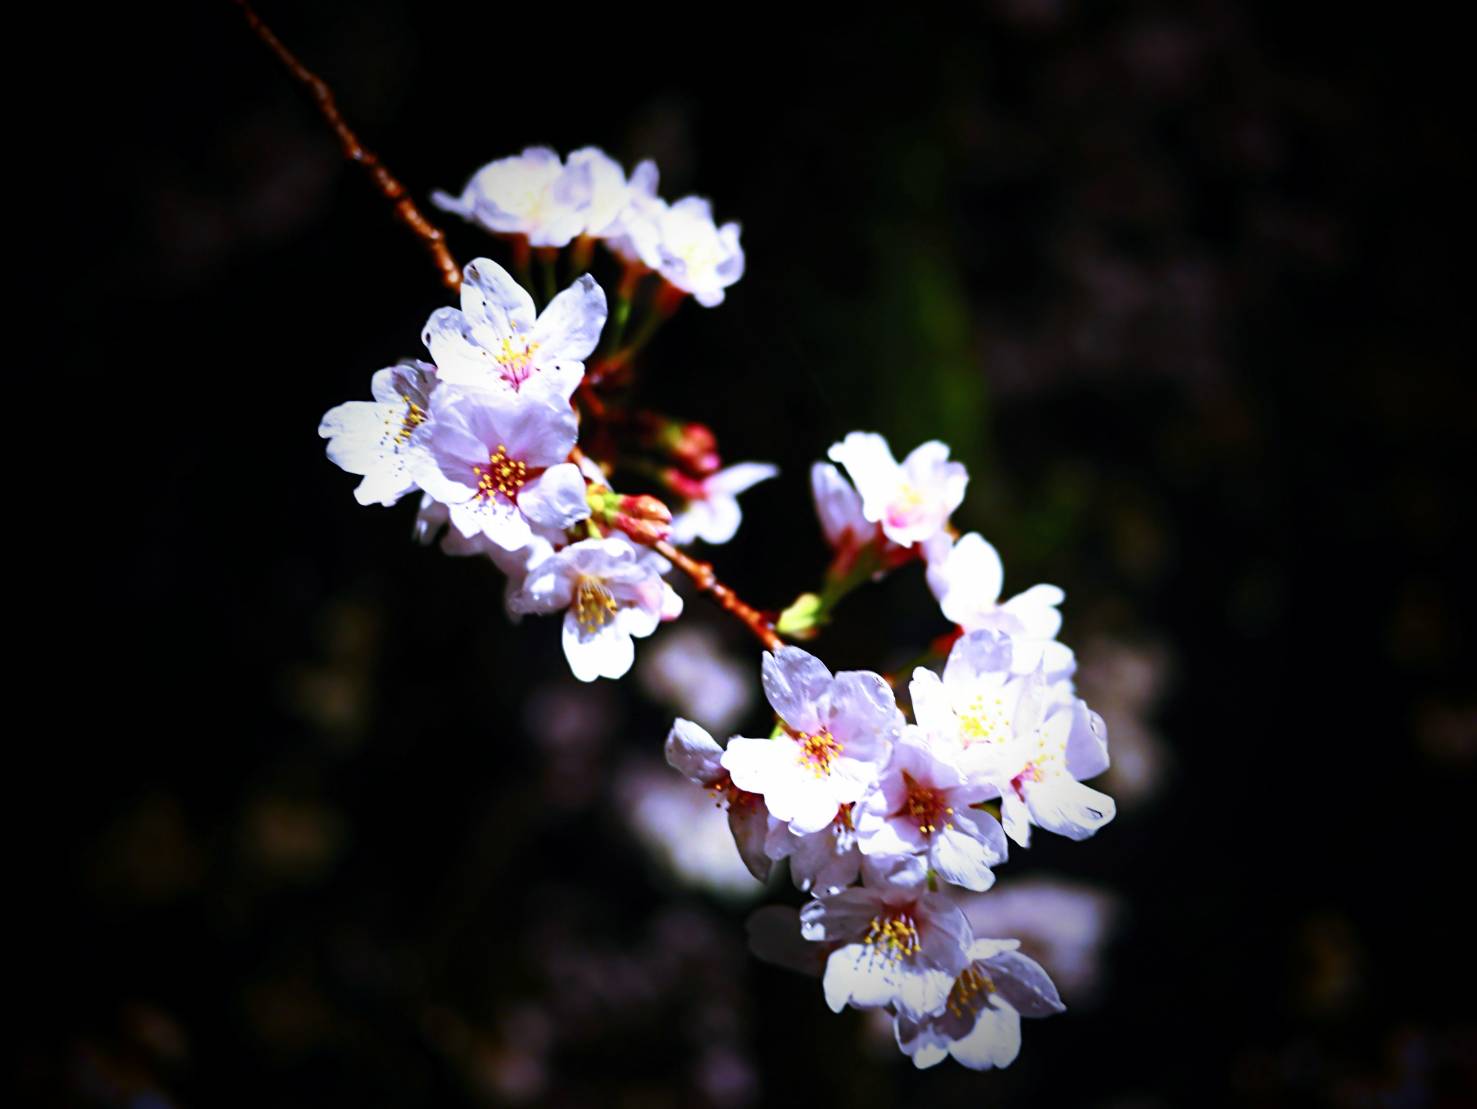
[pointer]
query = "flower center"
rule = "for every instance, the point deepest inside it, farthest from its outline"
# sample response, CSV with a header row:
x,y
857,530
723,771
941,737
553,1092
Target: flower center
x,y
893,937
818,750
415,415
515,359
503,476
925,807
984,723
594,607
971,990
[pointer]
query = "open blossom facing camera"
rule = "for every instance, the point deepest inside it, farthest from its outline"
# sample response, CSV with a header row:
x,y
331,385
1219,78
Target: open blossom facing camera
x,y
609,591
888,826
835,732
1028,738
499,341
912,500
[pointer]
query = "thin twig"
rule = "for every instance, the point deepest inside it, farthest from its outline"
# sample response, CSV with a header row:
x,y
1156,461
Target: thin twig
x,y
706,580
387,183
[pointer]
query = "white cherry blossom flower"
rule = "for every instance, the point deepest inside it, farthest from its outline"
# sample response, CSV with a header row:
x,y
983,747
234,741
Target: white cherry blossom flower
x,y
980,1021
692,752
1025,736
378,438
966,576
497,340
712,513
901,946
836,733
697,256
911,501
497,461
532,194
608,191
609,591
922,805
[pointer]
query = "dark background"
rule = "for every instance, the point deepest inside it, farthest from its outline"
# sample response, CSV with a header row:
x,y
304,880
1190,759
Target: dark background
x,y
1181,283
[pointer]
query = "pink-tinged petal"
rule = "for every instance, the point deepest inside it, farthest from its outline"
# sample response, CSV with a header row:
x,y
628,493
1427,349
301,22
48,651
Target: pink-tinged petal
x,y
1087,743
538,433
749,823
459,358
548,588
356,432
838,506
569,328
739,478
873,470
499,522
915,1041
894,872
799,799
981,657
671,603
715,521
1069,808
825,862
795,682
556,498
637,621
840,919
554,382
962,861
1024,984
693,753
879,835
947,937
994,1041
863,714
605,653
491,299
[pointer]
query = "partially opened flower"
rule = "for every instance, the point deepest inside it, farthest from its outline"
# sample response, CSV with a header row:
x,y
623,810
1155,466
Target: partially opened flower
x,y
609,591
1024,735
497,461
980,1022
835,735
378,438
497,340
912,500
900,946
532,194
966,576
692,752
712,513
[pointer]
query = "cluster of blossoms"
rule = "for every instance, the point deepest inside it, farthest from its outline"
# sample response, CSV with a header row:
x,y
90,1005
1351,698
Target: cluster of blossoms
x,y
879,818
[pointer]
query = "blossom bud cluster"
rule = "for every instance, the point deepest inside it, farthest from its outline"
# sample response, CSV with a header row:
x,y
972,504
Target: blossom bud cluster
x,y
881,817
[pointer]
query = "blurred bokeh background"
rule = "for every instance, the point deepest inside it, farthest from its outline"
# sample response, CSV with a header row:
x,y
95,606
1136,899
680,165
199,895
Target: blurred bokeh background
x,y
1181,284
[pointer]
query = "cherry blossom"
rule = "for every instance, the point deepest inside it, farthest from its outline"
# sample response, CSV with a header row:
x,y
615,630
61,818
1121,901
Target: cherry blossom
x,y
695,255
1024,735
911,501
712,513
922,805
692,752
823,862
496,460
900,946
966,576
609,591
979,1023
497,340
532,194
379,439
835,734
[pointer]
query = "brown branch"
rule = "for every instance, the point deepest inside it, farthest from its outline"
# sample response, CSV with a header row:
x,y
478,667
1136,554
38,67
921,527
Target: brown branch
x,y
706,580
387,183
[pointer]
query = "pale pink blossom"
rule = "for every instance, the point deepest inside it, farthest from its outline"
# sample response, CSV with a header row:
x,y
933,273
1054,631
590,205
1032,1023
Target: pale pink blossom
x,y
912,501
